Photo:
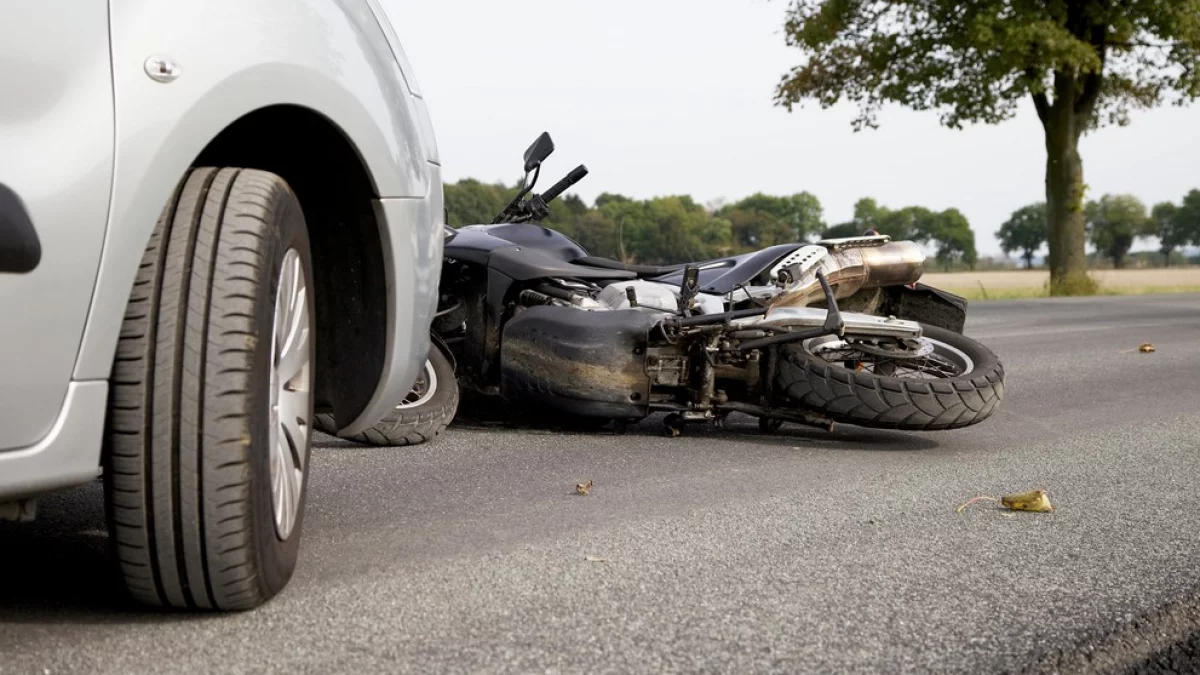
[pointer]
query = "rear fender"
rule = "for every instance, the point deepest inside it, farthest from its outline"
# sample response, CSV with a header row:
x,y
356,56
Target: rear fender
x,y
927,305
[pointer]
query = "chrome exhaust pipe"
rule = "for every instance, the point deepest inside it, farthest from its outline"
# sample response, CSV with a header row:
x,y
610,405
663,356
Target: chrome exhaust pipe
x,y
851,269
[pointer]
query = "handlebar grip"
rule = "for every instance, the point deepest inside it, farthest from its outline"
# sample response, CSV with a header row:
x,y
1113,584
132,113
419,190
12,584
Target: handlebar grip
x,y
561,186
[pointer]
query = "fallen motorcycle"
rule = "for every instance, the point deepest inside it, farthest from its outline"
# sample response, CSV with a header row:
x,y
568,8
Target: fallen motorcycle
x,y
839,331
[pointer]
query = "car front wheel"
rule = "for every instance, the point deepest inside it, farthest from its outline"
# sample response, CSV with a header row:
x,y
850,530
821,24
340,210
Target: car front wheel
x,y
211,411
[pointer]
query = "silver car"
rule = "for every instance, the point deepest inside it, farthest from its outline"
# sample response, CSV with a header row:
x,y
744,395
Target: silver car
x,y
217,218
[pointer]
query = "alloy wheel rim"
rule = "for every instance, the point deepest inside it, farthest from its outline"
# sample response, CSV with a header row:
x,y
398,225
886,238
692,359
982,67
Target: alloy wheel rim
x,y
290,393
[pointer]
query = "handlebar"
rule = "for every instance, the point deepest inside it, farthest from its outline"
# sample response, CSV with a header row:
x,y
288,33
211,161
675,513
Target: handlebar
x,y
561,186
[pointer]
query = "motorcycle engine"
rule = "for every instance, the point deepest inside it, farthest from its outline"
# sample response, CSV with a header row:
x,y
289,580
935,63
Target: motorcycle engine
x,y
653,296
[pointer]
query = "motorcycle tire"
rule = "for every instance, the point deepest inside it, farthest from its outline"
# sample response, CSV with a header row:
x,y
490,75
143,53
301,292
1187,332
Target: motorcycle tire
x,y
418,420
886,402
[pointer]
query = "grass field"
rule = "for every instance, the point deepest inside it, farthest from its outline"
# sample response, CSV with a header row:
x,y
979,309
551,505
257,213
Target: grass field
x,y
1032,283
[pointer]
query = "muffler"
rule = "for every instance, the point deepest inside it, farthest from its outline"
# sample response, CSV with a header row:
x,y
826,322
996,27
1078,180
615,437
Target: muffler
x,y
848,269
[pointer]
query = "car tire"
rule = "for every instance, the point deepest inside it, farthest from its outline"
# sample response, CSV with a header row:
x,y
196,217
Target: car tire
x,y
210,412
416,421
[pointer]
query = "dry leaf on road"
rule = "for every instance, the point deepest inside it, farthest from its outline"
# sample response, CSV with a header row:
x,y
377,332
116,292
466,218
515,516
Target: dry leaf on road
x,y
583,488
592,558
1034,500
1145,348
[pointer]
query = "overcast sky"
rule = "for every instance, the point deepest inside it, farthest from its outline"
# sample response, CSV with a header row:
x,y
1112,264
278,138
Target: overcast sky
x,y
661,97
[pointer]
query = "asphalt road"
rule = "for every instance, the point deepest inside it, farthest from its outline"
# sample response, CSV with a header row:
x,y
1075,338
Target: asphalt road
x,y
722,551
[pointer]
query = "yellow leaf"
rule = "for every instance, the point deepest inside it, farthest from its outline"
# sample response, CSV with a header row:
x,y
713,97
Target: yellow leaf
x,y
583,488
1034,500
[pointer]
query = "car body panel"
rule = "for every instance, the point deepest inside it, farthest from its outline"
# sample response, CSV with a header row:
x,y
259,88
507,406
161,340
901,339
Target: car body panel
x,y
67,456
56,155
136,136
330,57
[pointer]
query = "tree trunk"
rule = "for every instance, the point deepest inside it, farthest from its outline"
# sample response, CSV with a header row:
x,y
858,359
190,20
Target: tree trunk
x,y
1028,260
1064,201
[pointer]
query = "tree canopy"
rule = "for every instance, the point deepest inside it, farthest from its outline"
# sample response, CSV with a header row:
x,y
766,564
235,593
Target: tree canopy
x,y
1114,222
1081,63
1024,231
1177,225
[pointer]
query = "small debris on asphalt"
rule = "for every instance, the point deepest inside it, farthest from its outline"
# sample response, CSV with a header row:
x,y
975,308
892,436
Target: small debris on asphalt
x,y
1034,500
583,488
1145,348
592,558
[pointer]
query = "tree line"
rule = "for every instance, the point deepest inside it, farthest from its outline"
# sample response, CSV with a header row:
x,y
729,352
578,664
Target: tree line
x,y
1112,224
674,229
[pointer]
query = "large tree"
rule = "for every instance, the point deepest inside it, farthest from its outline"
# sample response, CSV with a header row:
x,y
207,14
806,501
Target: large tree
x,y
1188,216
1080,62
1114,222
955,239
1024,231
1167,225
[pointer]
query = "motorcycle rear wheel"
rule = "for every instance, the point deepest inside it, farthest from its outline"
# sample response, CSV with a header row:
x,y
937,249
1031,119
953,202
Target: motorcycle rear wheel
x,y
957,384
425,413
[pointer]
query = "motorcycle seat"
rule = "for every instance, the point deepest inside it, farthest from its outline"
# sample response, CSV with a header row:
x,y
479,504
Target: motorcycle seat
x,y
640,270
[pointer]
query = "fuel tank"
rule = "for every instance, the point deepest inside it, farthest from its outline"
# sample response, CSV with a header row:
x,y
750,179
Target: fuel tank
x,y
475,243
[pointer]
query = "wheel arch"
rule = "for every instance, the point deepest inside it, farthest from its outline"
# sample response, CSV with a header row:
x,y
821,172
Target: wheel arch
x,y
337,193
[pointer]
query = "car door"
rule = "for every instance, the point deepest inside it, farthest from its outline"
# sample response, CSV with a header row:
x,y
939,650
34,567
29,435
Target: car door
x,y
56,165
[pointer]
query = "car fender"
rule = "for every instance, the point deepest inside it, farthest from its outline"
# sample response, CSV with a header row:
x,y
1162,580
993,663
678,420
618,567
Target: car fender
x,y
330,56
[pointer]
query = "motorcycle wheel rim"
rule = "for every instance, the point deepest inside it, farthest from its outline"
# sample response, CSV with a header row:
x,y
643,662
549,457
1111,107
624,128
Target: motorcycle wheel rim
x,y
424,388
943,362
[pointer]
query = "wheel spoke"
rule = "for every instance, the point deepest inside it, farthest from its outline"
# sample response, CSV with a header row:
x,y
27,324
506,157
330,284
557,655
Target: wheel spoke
x,y
279,483
282,304
293,422
294,352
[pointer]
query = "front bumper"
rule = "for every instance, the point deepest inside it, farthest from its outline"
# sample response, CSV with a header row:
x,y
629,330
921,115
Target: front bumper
x,y
68,456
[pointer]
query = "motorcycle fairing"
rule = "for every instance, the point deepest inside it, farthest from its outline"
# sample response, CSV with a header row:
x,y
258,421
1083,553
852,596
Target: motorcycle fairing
x,y
584,363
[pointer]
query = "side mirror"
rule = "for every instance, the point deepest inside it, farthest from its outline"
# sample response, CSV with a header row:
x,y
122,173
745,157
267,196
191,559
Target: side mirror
x,y
538,152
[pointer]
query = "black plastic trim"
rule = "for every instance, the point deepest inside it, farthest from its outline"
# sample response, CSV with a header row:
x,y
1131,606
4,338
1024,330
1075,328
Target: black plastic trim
x,y
20,248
